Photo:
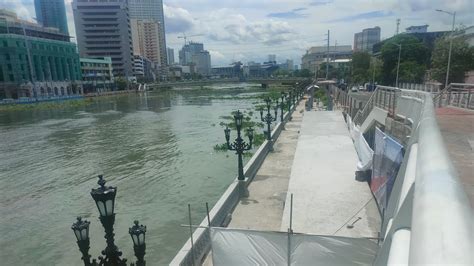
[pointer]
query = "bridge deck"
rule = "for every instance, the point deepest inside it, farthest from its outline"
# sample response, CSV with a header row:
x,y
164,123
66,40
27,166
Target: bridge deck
x,y
326,195
457,128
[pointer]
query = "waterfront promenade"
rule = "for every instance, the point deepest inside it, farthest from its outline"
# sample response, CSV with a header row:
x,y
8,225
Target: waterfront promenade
x,y
326,195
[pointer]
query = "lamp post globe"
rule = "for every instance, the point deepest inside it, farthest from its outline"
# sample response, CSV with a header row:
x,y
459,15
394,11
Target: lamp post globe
x,y
104,198
137,232
81,229
238,117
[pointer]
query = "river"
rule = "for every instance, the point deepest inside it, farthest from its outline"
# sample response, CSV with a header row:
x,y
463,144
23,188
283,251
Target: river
x,y
157,148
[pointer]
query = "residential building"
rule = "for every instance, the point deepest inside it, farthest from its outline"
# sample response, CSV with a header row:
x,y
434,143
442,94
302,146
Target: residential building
x,y
97,74
365,40
202,62
144,69
317,55
103,30
36,62
52,14
145,39
151,10
170,52
417,29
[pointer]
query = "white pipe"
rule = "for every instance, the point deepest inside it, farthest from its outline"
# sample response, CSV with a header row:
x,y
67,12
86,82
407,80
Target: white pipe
x,y
400,248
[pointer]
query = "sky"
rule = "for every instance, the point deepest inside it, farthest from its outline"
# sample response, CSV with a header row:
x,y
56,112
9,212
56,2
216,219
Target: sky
x,y
250,30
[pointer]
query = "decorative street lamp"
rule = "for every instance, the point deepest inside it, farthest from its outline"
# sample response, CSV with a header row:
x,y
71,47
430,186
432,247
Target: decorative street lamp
x,y
239,145
282,105
137,232
268,118
104,197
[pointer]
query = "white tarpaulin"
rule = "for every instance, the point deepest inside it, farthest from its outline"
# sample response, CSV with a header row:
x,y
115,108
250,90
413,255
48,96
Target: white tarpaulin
x,y
244,247
364,152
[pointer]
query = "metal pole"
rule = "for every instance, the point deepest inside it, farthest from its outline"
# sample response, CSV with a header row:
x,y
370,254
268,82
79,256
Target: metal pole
x,y
398,65
207,212
327,60
191,233
450,49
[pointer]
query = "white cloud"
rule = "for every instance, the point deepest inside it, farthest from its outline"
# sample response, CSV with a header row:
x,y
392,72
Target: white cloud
x,y
242,30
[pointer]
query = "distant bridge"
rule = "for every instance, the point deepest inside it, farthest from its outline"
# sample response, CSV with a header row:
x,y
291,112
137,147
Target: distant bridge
x,y
263,81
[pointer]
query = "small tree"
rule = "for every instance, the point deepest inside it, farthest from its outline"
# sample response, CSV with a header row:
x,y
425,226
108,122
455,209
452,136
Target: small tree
x,y
413,50
121,83
462,59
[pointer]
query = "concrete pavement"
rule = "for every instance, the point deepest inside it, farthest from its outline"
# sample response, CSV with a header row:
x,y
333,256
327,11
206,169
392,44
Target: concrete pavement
x,y
326,195
457,129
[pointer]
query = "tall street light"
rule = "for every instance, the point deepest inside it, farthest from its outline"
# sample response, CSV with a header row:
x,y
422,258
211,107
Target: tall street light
x,y
239,145
104,197
398,64
453,14
268,118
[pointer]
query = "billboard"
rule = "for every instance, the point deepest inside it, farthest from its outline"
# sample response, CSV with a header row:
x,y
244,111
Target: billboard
x,y
388,156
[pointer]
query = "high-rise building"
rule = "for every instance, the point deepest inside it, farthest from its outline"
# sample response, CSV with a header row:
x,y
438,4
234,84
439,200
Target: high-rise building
x,y
52,13
103,30
170,52
187,52
271,58
35,61
151,10
202,62
145,39
365,40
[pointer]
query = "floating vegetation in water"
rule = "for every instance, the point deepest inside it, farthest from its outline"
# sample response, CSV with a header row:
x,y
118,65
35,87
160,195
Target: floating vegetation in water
x,y
46,105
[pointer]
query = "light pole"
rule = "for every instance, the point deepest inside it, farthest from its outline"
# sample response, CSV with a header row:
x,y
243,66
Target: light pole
x,y
398,64
268,118
104,197
453,14
282,105
239,145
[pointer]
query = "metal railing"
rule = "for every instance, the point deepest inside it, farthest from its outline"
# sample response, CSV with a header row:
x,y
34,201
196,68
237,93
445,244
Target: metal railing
x,y
429,218
456,94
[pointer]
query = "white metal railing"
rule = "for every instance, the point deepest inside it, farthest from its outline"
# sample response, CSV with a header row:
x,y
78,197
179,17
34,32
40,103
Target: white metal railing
x,y
429,217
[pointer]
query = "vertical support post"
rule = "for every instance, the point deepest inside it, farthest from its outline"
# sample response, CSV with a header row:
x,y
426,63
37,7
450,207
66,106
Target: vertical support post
x,y
468,98
191,235
290,230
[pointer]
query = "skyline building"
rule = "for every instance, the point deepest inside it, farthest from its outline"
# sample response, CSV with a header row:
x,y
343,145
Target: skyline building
x,y
36,62
365,40
145,39
202,62
170,52
151,10
52,14
103,30
186,53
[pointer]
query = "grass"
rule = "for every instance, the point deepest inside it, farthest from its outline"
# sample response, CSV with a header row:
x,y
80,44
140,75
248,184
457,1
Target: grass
x,y
46,105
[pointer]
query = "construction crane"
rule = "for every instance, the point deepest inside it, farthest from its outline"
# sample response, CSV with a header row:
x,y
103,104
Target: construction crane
x,y
185,37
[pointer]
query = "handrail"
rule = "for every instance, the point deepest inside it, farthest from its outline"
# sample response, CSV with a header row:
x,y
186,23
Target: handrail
x,y
434,208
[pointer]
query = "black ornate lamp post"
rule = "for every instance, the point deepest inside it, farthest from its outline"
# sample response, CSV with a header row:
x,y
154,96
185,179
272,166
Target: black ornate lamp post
x,y
268,118
81,230
137,232
239,145
282,106
104,197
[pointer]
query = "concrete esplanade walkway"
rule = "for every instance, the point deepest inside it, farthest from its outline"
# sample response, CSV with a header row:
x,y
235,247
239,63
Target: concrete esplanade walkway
x,y
315,160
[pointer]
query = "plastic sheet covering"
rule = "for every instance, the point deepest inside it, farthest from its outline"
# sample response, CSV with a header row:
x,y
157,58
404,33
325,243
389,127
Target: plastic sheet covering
x,y
331,250
364,152
243,247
